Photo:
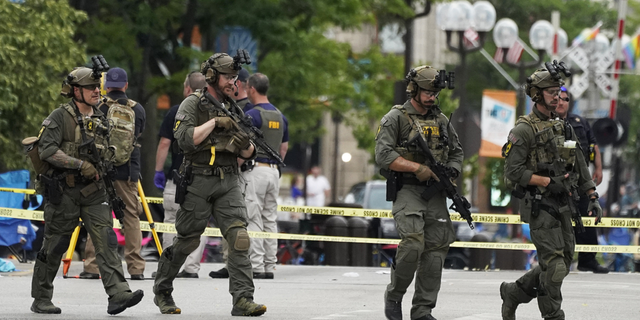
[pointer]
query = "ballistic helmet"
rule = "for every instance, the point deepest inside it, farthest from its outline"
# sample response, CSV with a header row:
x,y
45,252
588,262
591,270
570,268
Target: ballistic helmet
x,y
539,80
81,76
219,63
423,77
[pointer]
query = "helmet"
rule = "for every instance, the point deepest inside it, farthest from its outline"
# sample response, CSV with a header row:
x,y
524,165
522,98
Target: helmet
x,y
539,80
81,76
219,63
423,77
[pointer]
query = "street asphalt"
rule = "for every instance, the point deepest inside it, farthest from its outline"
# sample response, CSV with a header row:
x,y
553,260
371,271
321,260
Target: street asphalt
x,y
322,292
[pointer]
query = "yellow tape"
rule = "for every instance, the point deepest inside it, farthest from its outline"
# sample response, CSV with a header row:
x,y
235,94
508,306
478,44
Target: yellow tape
x,y
215,232
386,214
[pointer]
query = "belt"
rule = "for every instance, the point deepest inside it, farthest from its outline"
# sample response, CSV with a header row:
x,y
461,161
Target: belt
x,y
264,164
214,171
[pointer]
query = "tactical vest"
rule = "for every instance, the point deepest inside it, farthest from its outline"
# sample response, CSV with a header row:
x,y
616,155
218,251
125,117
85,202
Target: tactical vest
x,y
272,128
435,133
122,135
553,129
218,139
95,128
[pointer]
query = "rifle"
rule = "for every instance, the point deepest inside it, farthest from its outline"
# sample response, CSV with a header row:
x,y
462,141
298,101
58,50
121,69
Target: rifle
x,y
108,176
244,123
558,168
460,203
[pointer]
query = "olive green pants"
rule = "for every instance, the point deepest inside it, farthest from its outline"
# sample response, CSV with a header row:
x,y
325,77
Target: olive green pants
x,y
426,232
60,221
552,234
209,196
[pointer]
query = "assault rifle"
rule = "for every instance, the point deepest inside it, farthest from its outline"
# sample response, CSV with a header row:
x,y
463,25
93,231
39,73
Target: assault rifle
x,y
558,167
109,175
244,123
460,203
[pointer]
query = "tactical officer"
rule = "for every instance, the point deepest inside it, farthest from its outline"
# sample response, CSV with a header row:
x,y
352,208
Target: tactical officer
x,y
547,169
424,225
75,189
586,260
212,144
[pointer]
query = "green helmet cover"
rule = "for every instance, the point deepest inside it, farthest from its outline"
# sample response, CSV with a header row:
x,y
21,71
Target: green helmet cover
x,y
422,77
81,76
219,63
538,81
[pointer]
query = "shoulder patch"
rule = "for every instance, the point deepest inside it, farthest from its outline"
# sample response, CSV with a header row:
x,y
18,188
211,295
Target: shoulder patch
x,y
577,119
512,138
506,148
180,116
46,122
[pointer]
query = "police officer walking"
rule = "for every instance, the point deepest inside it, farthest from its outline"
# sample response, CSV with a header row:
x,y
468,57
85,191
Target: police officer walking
x,y
75,189
424,225
208,186
547,169
586,260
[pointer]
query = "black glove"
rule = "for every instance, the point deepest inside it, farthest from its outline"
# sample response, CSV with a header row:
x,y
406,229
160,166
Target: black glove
x,y
452,172
241,140
556,185
595,210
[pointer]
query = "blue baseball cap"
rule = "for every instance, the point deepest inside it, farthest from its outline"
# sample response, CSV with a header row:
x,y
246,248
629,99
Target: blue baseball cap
x,y
116,78
243,75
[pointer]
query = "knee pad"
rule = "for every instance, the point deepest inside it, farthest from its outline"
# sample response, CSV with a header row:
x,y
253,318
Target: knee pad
x,y
191,245
112,240
42,256
239,239
558,271
435,265
63,245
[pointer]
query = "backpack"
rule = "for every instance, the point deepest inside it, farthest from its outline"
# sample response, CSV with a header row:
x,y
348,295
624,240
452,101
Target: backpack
x,y
123,120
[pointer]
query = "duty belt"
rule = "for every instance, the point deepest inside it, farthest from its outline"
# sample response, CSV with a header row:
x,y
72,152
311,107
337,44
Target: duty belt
x,y
218,171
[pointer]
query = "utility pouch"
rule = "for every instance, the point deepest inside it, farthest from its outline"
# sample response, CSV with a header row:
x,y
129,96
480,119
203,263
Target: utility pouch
x,y
31,149
394,183
535,204
592,152
52,189
71,181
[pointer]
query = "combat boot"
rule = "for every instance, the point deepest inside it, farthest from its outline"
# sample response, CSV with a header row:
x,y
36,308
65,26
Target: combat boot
x,y
512,296
246,307
393,309
165,302
122,300
44,306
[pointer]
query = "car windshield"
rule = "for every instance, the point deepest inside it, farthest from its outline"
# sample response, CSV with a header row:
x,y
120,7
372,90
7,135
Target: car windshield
x,y
378,198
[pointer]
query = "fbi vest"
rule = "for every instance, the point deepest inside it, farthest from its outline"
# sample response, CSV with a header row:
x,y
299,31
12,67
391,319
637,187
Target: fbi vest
x,y
272,128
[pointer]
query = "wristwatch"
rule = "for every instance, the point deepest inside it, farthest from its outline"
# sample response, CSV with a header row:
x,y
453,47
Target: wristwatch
x,y
593,196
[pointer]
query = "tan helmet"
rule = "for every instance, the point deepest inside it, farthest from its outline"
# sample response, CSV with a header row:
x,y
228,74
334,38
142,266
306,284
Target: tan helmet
x,y
423,77
540,80
218,63
81,76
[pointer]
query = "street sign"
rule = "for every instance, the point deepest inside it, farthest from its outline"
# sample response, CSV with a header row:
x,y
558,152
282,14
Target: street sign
x,y
579,84
604,60
580,58
604,83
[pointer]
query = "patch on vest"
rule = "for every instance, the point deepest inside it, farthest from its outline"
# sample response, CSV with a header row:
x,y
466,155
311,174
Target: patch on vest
x,y
506,148
435,130
46,122
175,127
180,116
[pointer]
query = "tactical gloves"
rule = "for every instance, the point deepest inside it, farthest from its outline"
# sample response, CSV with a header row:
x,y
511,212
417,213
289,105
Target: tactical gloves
x,y
241,140
424,173
88,170
594,209
159,180
224,122
557,185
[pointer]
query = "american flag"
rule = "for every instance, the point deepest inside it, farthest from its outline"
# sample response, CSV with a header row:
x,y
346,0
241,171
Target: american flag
x,y
515,52
499,54
470,38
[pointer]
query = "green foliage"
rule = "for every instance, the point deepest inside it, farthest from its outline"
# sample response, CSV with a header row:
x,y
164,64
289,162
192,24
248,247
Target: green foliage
x,y
494,177
37,50
470,169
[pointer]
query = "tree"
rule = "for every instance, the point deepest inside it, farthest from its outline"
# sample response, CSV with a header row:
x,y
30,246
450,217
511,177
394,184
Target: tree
x,y
37,50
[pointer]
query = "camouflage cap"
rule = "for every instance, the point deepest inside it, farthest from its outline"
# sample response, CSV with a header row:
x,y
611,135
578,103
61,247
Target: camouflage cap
x,y
539,80
222,63
424,77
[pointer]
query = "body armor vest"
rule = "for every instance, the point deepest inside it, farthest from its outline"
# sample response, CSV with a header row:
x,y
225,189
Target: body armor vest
x,y
95,128
435,133
219,137
553,129
272,128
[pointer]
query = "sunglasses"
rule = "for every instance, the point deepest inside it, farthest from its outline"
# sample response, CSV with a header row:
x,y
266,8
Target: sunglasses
x,y
91,87
564,99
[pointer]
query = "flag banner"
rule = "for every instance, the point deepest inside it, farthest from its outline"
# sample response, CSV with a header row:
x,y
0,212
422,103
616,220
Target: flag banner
x,y
515,52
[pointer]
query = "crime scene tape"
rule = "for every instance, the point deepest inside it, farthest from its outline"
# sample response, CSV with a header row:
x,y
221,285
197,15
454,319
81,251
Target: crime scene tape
x,y
386,214
215,232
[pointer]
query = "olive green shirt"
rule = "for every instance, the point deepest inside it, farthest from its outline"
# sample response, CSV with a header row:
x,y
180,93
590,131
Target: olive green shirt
x,y
522,141
54,130
395,128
